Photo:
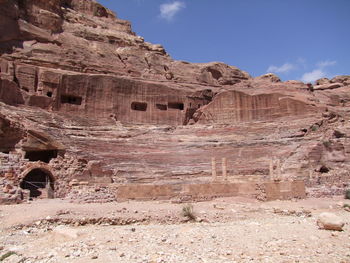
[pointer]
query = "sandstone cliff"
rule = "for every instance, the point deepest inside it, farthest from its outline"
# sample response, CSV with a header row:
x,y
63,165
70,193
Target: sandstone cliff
x,y
93,106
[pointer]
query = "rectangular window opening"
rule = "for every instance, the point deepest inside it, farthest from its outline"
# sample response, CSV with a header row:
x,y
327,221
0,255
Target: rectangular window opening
x,y
176,105
161,107
70,99
44,156
139,106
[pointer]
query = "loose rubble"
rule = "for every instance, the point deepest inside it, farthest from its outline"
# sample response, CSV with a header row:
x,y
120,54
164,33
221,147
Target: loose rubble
x,y
241,230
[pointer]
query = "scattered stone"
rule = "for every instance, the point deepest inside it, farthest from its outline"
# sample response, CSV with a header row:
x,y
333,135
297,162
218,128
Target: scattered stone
x,y
67,232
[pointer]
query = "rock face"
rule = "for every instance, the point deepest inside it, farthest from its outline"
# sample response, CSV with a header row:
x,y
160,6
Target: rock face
x,y
87,106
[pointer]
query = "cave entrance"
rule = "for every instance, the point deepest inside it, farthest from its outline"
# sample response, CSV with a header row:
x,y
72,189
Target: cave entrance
x,y
44,156
39,182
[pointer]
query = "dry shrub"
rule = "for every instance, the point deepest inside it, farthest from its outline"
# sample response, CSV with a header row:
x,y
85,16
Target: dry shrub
x,y
187,211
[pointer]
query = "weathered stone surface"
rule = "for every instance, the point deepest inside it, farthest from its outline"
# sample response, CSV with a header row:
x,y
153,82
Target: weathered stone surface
x,y
328,86
322,81
330,221
10,93
270,77
345,79
89,106
68,233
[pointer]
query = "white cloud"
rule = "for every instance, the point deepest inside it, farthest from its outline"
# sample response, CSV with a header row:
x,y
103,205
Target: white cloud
x,y
169,10
326,63
319,72
285,68
313,75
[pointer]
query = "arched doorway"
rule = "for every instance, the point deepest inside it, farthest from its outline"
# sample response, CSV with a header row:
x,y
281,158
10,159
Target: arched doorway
x,y
39,182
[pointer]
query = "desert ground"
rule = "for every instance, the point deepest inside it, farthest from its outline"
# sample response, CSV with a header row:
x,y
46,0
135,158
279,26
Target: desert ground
x,y
225,230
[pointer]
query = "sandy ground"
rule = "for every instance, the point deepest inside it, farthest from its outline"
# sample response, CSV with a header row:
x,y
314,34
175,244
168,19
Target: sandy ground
x,y
226,230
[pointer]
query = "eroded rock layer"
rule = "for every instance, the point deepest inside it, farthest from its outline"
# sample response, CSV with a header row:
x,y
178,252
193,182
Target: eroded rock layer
x,y
89,108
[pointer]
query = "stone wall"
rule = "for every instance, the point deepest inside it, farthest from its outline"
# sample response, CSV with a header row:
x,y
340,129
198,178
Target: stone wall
x,y
285,190
205,191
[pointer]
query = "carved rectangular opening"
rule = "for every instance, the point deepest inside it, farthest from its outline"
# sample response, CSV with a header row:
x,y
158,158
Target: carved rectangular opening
x,y
70,99
176,105
67,4
44,156
161,107
139,106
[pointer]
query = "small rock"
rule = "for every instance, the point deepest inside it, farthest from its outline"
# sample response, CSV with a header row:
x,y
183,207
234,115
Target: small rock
x,y
199,220
218,207
66,232
329,221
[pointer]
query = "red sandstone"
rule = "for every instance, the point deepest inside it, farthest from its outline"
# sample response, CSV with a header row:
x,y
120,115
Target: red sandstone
x,y
90,110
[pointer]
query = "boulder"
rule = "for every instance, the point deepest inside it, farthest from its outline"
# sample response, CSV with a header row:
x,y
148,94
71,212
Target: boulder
x,y
322,81
270,77
328,86
344,79
330,221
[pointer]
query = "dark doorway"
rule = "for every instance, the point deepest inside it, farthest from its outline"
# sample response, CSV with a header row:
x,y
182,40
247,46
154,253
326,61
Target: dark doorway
x,y
36,181
44,156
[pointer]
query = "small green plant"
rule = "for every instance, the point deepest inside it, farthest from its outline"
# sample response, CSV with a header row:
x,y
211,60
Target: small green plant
x,y
6,255
314,128
347,194
327,144
187,211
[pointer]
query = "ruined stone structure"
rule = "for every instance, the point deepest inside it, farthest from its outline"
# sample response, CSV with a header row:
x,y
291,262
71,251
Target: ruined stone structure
x,y
92,112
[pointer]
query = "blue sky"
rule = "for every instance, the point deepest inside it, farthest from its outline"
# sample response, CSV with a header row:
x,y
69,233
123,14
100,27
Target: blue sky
x,y
296,39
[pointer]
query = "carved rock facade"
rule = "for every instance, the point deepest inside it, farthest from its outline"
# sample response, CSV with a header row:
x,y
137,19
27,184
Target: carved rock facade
x,y
88,109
